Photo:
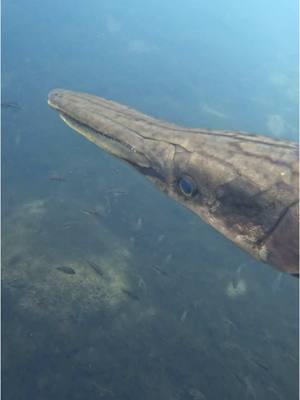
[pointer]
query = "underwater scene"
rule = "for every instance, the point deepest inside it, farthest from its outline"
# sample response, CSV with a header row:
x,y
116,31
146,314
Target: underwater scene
x,y
112,290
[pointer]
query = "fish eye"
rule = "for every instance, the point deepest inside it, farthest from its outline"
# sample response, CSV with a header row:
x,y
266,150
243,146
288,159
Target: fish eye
x,y
187,186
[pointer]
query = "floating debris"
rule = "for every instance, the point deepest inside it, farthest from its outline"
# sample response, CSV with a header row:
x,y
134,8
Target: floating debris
x,y
95,267
66,270
131,294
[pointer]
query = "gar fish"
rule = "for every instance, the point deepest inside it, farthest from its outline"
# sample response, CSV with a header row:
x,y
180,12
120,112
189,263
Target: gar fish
x,y
245,186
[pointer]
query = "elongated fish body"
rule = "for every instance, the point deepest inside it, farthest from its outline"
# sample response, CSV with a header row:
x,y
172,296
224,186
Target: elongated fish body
x,y
245,186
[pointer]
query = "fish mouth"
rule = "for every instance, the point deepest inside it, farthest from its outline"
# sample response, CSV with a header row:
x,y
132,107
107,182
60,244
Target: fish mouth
x,y
101,123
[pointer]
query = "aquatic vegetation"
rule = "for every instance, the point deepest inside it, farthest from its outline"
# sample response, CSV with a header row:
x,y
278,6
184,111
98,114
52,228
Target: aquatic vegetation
x,y
235,289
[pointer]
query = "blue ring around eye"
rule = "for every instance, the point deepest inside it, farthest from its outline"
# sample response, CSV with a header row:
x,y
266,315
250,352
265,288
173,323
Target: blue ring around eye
x,y
186,186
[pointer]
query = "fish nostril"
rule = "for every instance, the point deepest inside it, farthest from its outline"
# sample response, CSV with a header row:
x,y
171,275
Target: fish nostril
x,y
55,93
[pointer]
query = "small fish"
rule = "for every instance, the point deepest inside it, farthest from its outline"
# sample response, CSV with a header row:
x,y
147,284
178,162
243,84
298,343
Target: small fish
x,y
239,378
275,392
142,283
66,270
117,192
237,275
160,238
230,323
250,391
276,285
108,204
159,270
183,316
57,178
131,295
197,395
95,267
139,224
169,258
259,364
7,104
235,282
67,225
92,212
